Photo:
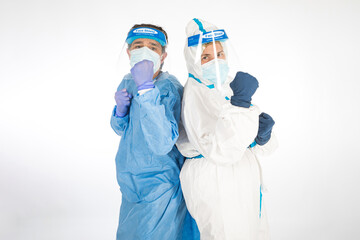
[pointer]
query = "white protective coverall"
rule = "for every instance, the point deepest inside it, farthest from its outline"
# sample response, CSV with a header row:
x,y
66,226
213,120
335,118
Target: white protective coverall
x,y
221,179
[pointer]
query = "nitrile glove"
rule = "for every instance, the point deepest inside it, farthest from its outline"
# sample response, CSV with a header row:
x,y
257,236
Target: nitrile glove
x,y
142,73
244,86
122,99
266,124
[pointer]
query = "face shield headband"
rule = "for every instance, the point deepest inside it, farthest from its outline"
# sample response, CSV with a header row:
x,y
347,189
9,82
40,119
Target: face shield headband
x,y
149,33
217,35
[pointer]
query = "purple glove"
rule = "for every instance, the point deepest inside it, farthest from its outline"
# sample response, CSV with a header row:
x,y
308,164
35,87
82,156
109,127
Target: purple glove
x,y
142,73
122,99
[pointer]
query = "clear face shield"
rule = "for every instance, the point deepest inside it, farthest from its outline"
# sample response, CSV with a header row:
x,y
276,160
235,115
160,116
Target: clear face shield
x,y
215,61
143,44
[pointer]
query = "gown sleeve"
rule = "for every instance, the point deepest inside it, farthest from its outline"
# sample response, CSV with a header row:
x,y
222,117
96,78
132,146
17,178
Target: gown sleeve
x,y
159,117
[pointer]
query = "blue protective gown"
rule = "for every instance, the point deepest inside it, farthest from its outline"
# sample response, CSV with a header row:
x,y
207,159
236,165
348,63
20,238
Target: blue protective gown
x,y
148,164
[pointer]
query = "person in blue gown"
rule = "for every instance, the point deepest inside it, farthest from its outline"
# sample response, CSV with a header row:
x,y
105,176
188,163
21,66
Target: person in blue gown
x,y
146,116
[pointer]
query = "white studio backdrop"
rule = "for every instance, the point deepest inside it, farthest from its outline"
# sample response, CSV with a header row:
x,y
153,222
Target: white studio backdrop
x,y
59,72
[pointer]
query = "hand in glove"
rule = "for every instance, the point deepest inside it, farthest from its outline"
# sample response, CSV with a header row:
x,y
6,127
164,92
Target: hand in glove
x,y
266,124
142,73
122,99
244,86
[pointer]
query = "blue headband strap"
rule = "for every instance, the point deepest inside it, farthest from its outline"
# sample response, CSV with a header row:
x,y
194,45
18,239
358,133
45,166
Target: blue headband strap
x,y
144,32
219,35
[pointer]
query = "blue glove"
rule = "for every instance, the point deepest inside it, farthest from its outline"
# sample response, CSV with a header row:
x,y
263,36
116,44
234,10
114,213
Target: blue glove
x,y
266,124
122,99
244,86
142,73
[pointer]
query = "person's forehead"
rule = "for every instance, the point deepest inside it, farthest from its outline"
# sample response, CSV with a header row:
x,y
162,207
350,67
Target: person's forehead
x,y
210,47
147,41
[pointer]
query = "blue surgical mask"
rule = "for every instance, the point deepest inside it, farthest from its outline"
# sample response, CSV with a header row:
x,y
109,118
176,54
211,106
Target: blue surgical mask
x,y
145,53
209,70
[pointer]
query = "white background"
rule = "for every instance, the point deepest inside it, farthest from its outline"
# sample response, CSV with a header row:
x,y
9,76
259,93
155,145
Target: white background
x,y
59,71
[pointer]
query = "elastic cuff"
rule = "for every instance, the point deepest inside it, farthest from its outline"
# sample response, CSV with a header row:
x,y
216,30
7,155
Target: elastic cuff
x,y
262,140
253,144
141,92
146,85
240,103
115,114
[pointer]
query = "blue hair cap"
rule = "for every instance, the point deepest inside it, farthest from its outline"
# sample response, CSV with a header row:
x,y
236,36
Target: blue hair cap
x,y
145,32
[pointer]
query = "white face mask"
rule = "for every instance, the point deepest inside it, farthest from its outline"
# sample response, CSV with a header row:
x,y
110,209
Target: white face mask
x,y
145,53
209,71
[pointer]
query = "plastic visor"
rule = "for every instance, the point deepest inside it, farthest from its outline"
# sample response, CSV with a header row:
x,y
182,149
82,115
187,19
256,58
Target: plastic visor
x,y
214,46
123,66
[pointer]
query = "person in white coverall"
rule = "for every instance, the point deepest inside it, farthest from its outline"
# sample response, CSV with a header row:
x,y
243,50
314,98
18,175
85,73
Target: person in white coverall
x,y
221,178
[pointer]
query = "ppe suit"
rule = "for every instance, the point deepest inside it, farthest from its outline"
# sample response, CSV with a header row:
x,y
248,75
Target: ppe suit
x,y
221,179
148,163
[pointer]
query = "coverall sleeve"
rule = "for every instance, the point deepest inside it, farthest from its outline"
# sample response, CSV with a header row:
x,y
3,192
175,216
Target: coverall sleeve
x,y
267,148
183,144
119,124
225,141
159,117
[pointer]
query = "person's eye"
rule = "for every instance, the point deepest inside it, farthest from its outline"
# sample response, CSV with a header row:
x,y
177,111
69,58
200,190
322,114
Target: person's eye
x,y
154,49
204,58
